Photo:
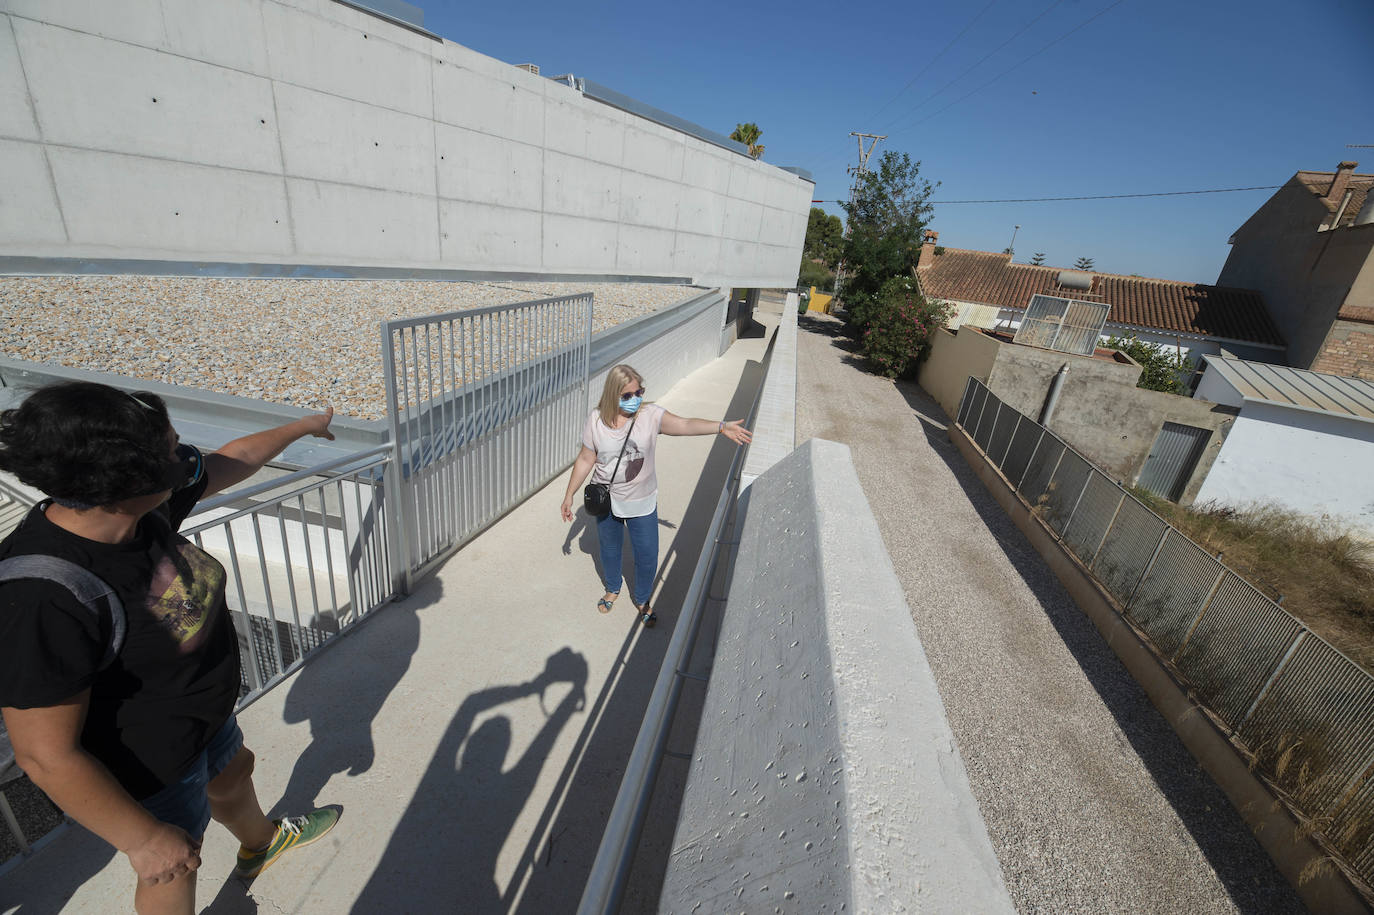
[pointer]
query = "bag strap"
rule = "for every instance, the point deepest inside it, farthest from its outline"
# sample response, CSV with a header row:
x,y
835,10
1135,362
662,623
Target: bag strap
x,y
622,447
87,587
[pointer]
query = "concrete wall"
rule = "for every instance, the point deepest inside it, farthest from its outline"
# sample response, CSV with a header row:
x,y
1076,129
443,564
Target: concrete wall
x,y
305,131
806,792
775,426
953,358
1309,462
1304,275
1101,412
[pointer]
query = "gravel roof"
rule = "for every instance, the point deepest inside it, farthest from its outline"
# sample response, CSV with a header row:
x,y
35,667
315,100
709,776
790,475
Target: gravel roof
x,y
305,342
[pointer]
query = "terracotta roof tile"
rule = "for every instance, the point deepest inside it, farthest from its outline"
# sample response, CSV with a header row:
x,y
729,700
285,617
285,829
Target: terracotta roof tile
x,y
986,278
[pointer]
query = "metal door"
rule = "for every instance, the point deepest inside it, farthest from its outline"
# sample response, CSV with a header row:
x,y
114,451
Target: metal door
x,y
1171,462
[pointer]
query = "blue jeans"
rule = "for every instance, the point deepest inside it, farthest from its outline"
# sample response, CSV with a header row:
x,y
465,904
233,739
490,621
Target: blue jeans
x,y
184,803
610,531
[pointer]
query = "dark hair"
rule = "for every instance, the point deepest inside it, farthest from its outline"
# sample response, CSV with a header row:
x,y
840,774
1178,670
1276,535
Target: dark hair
x,y
87,444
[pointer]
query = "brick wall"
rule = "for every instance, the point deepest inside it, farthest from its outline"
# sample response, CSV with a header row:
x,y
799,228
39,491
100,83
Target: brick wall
x,y
1348,351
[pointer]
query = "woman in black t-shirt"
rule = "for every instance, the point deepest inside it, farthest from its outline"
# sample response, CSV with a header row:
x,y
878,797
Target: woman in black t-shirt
x,y
142,749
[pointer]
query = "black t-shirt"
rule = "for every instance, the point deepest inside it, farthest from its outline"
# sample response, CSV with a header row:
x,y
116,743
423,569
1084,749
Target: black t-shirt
x,y
176,679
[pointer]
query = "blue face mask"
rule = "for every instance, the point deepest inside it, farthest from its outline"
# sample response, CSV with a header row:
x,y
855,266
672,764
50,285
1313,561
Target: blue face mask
x,y
631,406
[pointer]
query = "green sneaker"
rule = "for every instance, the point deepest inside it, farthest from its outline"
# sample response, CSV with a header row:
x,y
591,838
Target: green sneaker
x,y
292,832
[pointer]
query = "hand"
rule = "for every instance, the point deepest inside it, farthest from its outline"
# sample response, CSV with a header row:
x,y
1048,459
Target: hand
x,y
734,430
566,509
317,424
165,855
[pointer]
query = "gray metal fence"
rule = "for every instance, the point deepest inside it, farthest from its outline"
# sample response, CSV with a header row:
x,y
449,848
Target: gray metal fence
x,y
1304,710
306,555
485,407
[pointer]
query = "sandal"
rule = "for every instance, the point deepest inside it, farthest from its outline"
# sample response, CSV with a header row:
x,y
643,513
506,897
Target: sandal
x,y
604,605
646,615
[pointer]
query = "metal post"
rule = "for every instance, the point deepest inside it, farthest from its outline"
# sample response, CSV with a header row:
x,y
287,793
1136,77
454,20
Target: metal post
x,y
1110,524
1011,438
1148,566
403,511
1278,669
1073,511
1192,627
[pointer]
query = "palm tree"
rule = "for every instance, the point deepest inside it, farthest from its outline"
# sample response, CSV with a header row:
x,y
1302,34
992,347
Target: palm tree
x,y
749,134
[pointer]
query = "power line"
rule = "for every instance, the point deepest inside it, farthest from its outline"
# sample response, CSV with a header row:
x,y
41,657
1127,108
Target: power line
x,y
1014,66
932,61
1046,11
1219,190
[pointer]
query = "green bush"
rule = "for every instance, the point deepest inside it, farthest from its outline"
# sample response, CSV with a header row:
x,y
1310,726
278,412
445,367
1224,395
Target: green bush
x,y
1163,369
898,325
814,274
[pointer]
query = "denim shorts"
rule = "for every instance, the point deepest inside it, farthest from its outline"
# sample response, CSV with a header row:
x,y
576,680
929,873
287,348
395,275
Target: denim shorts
x,y
184,802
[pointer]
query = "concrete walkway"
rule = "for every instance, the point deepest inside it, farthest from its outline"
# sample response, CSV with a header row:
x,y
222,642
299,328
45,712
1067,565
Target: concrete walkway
x,y
475,733
1092,803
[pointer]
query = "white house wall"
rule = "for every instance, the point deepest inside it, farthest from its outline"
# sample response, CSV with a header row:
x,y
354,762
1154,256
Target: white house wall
x,y
1309,462
304,131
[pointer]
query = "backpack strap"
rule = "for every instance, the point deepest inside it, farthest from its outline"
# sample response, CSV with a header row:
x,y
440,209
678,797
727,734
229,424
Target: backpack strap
x,y
87,587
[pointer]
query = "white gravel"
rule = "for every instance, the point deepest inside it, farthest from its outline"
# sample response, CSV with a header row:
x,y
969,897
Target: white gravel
x,y
306,342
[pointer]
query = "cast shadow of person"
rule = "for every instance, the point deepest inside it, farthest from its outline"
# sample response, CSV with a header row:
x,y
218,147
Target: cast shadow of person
x,y
443,853
340,692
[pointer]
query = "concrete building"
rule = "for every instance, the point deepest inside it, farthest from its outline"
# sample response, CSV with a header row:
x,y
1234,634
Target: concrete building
x,y
1133,434
1302,440
1309,250
988,290
312,133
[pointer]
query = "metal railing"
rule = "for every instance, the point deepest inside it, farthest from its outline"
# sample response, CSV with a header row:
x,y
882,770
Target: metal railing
x,y
306,558
485,407
1301,708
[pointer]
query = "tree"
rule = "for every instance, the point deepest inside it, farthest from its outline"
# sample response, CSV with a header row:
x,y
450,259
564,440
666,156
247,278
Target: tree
x,y
749,134
1163,369
890,206
1083,263
1038,259
824,237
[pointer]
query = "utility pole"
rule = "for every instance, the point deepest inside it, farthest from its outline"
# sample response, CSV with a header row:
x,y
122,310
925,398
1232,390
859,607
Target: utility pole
x,y
858,171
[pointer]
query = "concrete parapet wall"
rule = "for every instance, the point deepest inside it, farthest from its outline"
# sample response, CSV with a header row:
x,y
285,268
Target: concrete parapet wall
x,y
305,132
775,427
825,775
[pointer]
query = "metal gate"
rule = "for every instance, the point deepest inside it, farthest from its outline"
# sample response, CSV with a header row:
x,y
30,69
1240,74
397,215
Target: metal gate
x,y
1170,464
484,408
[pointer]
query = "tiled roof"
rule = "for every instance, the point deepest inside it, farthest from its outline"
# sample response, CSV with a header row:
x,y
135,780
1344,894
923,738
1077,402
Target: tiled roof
x,y
1320,182
986,278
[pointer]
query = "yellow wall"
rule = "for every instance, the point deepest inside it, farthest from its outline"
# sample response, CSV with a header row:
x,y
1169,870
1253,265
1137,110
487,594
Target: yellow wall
x,y
819,301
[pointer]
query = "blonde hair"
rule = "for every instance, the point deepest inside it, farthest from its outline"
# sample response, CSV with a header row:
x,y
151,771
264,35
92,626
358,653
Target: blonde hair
x,y
616,379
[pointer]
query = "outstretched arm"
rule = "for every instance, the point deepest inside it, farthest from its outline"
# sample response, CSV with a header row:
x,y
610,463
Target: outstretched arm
x,y
240,459
732,429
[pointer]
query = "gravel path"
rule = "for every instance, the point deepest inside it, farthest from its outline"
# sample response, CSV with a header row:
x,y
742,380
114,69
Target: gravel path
x,y
306,342
1092,803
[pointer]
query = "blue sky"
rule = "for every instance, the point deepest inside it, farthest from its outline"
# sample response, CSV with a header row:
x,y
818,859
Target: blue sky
x,y
1151,95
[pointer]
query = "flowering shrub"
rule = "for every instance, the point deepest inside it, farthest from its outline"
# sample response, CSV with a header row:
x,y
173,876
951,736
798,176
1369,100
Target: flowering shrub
x,y
899,325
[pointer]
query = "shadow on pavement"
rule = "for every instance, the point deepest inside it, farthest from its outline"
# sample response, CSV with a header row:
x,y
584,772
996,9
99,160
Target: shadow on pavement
x,y
437,860
1242,866
85,854
553,876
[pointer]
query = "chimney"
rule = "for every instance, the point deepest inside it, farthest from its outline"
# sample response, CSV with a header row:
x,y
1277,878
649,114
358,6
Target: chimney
x,y
1340,180
928,243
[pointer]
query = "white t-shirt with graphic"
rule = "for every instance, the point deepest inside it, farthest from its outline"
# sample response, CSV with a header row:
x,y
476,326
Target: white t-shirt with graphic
x,y
634,491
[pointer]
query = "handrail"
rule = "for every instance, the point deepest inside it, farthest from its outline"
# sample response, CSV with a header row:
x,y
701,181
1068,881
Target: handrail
x,y
228,499
606,882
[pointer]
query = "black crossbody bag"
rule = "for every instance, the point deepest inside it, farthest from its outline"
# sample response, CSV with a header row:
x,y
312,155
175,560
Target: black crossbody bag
x,y
596,497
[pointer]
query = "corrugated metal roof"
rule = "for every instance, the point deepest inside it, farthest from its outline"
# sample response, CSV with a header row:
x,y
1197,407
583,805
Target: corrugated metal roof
x,y
1298,388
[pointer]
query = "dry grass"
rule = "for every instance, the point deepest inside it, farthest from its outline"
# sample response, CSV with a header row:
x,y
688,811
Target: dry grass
x,y
1323,573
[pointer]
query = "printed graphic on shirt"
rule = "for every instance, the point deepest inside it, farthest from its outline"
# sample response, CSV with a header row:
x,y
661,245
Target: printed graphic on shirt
x,y
633,462
184,589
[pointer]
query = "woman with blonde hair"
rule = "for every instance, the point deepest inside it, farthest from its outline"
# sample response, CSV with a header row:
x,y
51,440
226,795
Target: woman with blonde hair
x,y
618,450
